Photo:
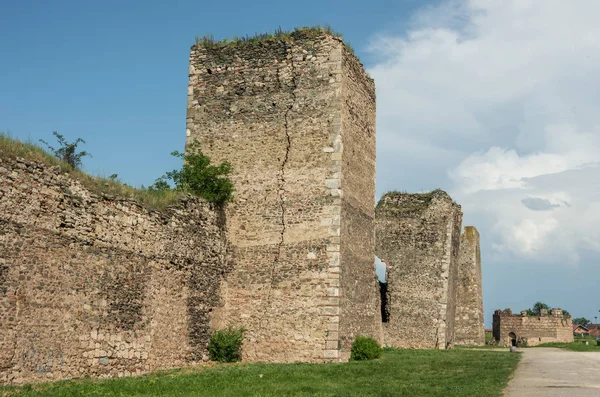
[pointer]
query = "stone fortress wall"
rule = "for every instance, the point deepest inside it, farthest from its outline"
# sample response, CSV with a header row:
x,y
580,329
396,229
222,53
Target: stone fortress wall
x,y
469,330
547,327
101,286
295,116
418,238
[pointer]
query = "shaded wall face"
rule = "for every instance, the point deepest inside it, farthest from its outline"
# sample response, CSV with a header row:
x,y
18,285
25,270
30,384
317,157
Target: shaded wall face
x,y
496,327
469,327
360,305
454,229
274,111
536,330
100,287
415,237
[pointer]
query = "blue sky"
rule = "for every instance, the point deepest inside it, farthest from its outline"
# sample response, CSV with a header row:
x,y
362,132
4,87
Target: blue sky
x,y
115,72
494,101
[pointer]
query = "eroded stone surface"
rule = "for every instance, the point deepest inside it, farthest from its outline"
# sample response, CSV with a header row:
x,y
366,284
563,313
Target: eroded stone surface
x,y
101,286
535,330
469,330
296,119
418,237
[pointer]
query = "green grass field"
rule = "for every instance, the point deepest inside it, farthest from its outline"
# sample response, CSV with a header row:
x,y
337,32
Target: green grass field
x,y
488,337
577,345
483,347
398,373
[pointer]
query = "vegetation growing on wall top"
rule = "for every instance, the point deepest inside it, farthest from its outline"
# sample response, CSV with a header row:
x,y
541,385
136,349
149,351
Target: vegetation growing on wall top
x,y
13,148
198,176
403,203
536,311
208,41
157,199
67,151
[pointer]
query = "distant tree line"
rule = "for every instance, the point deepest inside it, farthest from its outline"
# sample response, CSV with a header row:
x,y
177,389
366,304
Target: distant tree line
x,y
581,321
539,306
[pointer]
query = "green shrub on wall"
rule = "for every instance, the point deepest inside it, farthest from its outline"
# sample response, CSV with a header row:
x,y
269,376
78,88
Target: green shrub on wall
x,y
199,177
226,345
365,348
67,151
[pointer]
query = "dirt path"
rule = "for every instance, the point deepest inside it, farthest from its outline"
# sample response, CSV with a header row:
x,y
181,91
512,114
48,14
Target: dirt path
x,y
556,372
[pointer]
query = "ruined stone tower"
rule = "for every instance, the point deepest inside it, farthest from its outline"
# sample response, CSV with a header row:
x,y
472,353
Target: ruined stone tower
x,y
418,237
295,116
469,294
516,329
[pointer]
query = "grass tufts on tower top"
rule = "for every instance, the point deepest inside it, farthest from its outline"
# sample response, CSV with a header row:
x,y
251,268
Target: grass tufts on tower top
x,y
208,41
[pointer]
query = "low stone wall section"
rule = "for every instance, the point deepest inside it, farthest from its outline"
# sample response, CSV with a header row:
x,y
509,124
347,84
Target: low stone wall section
x,y
101,286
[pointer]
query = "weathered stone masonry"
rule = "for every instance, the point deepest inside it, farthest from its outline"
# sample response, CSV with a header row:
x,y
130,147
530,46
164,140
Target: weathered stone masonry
x,y
469,330
418,237
101,286
553,327
296,119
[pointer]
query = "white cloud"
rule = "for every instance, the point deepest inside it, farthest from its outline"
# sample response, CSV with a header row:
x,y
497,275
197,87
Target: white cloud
x,y
497,102
557,235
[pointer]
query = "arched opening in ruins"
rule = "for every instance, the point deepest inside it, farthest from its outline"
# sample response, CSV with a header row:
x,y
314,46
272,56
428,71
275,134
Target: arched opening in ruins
x,y
381,270
513,339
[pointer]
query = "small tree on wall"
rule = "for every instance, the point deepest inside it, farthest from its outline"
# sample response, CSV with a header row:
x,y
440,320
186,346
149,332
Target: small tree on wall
x,y
198,176
67,151
539,306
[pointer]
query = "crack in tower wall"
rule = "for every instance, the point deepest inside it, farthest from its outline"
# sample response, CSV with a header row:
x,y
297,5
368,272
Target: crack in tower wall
x,y
273,109
281,190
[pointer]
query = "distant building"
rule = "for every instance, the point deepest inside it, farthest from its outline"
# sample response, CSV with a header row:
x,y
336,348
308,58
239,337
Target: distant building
x,y
580,330
522,329
593,330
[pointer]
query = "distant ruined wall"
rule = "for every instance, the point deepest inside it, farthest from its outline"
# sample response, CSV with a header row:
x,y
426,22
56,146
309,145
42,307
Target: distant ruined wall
x,y
295,116
101,286
536,329
469,330
418,237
